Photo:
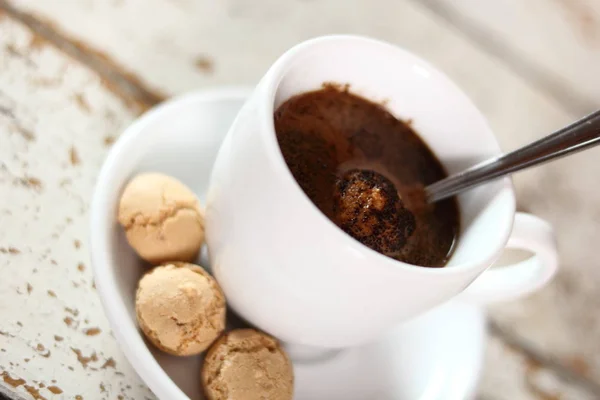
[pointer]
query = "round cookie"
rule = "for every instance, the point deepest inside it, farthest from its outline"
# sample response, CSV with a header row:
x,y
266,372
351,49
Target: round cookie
x,y
162,218
180,308
245,364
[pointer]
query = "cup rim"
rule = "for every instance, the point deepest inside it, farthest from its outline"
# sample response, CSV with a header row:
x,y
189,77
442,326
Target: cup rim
x,y
267,90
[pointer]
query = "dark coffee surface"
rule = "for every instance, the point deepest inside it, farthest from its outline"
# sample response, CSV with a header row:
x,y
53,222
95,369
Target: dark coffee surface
x,y
331,139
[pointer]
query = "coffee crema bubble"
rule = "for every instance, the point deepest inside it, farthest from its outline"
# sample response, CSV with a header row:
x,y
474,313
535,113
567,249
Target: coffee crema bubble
x,y
367,207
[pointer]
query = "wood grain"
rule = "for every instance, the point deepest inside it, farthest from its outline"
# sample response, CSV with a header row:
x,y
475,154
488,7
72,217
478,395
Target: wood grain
x,y
53,111
554,44
524,379
118,57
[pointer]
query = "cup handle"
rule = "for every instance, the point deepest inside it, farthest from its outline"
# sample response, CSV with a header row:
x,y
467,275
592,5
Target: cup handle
x,y
512,281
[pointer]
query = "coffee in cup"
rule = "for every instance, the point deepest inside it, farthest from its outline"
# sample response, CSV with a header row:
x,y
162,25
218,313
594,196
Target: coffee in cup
x,y
366,171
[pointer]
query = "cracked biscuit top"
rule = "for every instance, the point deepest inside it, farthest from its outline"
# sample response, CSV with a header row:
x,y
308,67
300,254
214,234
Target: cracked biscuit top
x,y
180,308
162,218
245,364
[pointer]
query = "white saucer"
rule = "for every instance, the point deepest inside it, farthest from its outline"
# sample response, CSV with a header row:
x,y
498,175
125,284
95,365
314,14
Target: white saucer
x,y
437,356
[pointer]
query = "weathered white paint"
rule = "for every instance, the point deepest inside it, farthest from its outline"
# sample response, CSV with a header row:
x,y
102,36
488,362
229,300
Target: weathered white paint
x,y
180,44
55,120
515,377
560,38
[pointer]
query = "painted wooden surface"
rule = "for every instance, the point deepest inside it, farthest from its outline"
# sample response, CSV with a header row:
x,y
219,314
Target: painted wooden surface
x,y
554,43
74,72
57,121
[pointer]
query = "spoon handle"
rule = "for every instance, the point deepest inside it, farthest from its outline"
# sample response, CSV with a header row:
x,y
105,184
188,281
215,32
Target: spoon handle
x,y
578,136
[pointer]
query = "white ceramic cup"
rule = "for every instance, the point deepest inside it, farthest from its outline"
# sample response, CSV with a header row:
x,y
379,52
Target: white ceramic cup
x,y
286,268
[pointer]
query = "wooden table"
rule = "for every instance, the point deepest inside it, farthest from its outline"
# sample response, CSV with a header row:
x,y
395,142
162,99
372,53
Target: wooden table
x,y
74,73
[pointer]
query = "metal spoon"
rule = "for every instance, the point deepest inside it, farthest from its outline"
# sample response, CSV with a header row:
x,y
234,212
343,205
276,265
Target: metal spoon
x,y
578,136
